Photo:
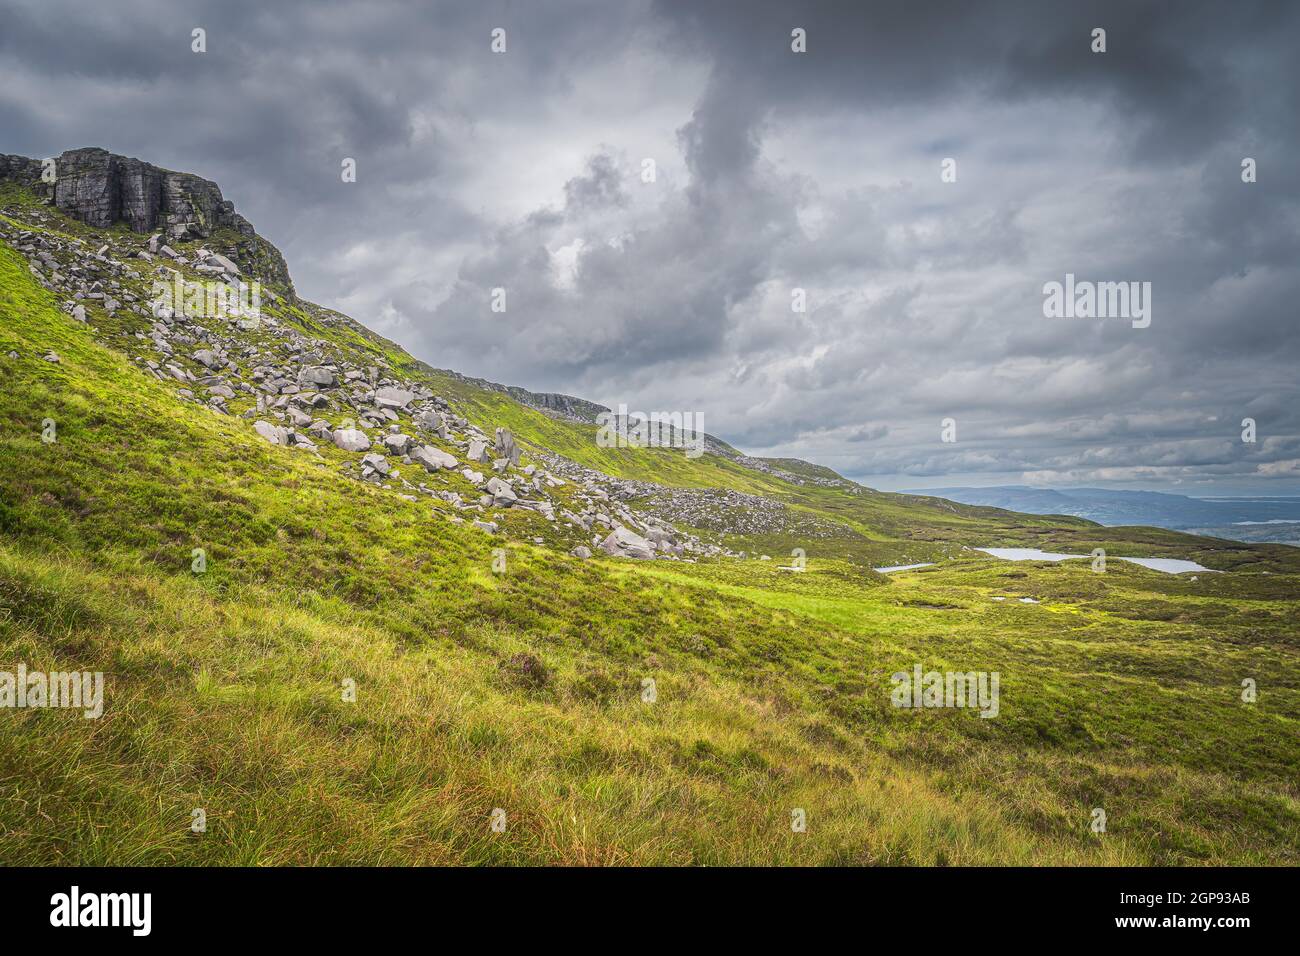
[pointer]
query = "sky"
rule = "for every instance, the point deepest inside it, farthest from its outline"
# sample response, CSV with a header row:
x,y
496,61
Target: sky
x,y
776,175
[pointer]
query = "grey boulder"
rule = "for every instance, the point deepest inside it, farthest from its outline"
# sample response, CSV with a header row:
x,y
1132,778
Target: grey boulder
x,y
505,446
275,434
351,439
225,263
390,397
622,543
397,444
321,377
375,461
503,496
432,458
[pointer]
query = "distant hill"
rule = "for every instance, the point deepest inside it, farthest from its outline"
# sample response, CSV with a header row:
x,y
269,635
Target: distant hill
x,y
1242,519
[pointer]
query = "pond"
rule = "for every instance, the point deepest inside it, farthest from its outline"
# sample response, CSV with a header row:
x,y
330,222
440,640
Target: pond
x,y
1167,565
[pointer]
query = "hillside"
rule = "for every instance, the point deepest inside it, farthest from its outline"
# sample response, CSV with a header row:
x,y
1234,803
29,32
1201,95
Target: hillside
x,y
587,638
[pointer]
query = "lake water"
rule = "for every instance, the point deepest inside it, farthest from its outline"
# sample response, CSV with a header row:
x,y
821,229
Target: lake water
x,y
1167,565
1028,554
904,567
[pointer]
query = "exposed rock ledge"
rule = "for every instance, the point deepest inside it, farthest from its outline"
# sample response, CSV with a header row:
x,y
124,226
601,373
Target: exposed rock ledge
x,y
100,188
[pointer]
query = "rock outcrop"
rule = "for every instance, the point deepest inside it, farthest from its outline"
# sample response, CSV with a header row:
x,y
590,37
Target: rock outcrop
x,y
20,169
100,188
623,543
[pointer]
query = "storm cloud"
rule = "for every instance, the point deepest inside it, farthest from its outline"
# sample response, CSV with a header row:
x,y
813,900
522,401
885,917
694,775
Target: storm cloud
x,y
655,184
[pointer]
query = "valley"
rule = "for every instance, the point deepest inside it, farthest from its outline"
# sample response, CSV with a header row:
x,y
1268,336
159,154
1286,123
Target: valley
x,y
497,587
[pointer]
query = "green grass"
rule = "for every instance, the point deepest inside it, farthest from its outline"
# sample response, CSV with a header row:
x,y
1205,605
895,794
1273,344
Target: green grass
x,y
524,690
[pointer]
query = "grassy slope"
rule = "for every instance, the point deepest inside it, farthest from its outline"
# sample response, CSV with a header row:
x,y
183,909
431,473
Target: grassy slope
x,y
223,688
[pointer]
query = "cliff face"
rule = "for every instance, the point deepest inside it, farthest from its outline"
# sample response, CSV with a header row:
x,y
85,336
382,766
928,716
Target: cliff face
x,y
574,408
100,188
21,169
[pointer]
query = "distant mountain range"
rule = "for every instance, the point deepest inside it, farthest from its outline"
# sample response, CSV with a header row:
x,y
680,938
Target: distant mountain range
x,y
1274,519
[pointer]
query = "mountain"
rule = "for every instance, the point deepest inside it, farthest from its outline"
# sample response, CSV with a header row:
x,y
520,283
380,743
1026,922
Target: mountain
x,y
1244,519
356,610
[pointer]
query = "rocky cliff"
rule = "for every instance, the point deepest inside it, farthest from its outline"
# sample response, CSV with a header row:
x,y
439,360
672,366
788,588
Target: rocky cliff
x,y
100,189
560,406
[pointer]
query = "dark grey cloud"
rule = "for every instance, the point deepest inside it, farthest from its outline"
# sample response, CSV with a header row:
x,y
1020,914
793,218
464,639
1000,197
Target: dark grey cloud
x,y
775,172
599,187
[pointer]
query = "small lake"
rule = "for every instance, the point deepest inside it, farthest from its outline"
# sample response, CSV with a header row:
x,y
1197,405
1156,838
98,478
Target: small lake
x,y
903,567
1028,554
1167,565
